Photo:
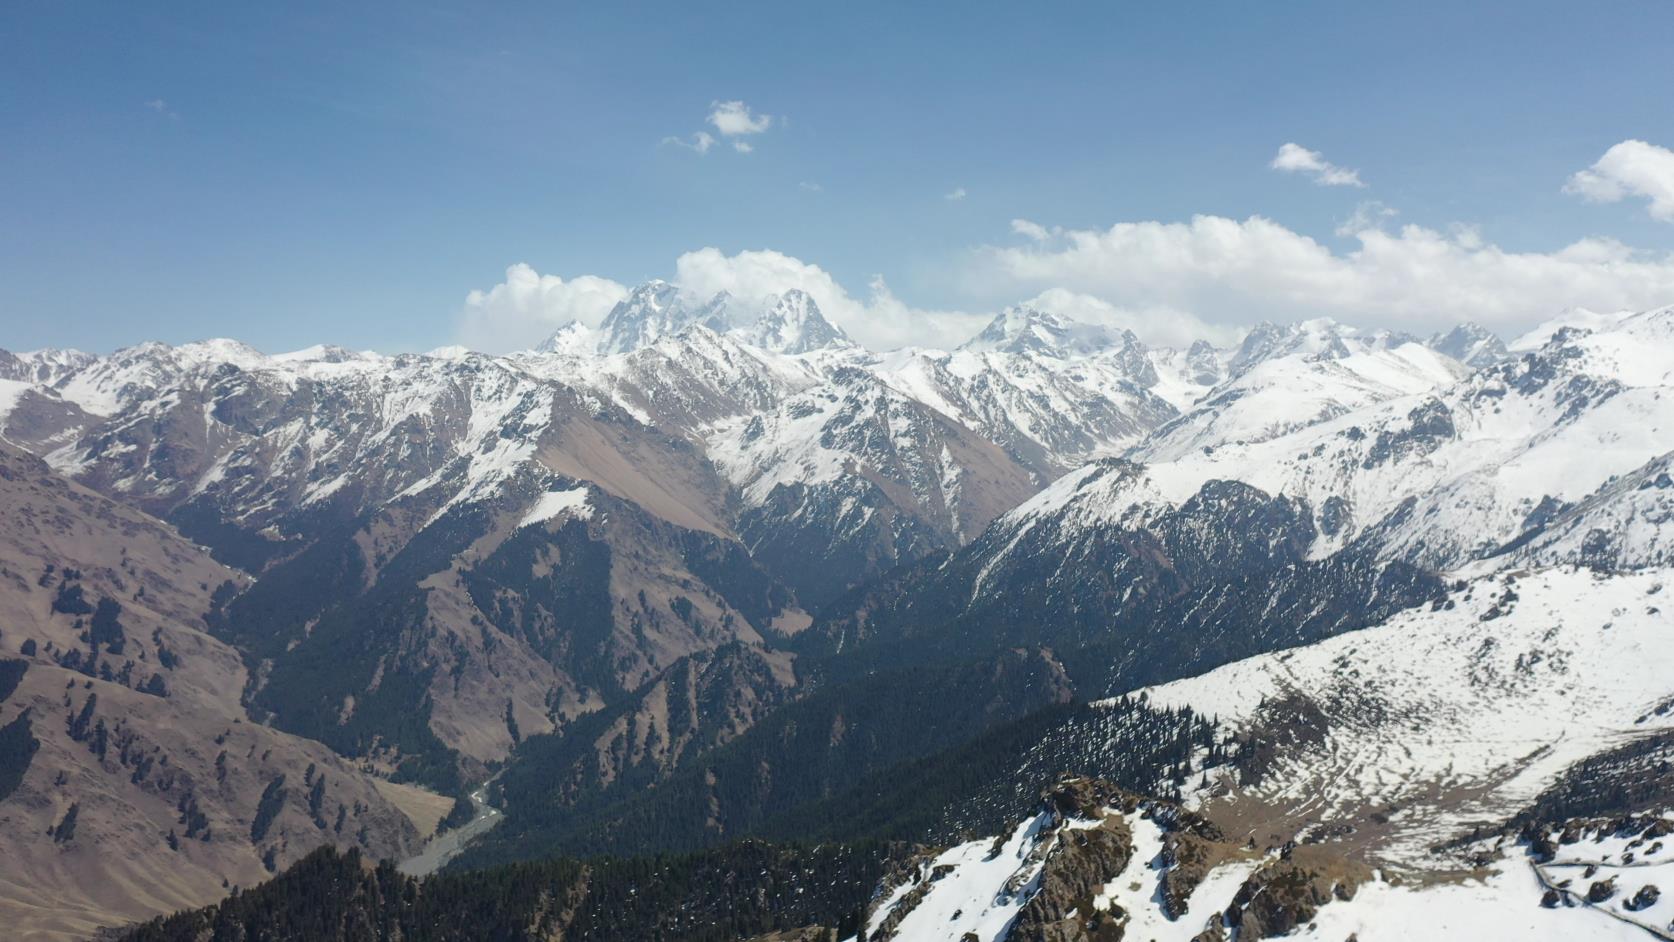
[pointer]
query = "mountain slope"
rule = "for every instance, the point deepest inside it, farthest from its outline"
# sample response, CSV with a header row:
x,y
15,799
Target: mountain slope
x,y
1444,717
852,477
1436,478
147,785
1135,597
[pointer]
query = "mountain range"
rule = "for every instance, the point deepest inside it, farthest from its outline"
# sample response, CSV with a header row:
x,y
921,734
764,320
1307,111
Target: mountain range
x,y
1333,631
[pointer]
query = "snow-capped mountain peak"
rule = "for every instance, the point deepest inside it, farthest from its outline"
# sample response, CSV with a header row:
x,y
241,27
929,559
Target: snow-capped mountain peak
x,y
1026,329
1320,337
1470,344
648,312
794,324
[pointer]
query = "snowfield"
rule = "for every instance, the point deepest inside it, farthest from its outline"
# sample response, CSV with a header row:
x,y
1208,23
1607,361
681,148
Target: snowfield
x,y
1446,717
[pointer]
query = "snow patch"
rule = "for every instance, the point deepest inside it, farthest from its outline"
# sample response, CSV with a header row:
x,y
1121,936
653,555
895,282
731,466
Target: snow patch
x,y
554,503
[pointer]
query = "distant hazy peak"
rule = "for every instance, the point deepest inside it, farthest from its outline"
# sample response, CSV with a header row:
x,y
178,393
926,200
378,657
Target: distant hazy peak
x,y
1470,344
1027,329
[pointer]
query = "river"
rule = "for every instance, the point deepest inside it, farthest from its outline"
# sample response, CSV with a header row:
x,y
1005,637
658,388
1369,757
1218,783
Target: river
x,y
447,845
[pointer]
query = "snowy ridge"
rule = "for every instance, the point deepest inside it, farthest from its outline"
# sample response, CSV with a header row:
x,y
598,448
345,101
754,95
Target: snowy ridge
x,y
1025,329
1287,393
1439,477
1048,414
998,889
1627,524
1450,715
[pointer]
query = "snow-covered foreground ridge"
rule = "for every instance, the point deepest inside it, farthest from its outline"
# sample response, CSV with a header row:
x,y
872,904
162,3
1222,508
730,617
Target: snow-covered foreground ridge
x,y
1101,863
1445,717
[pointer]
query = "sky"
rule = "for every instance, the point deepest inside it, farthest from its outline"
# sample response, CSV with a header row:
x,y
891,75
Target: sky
x,y
407,175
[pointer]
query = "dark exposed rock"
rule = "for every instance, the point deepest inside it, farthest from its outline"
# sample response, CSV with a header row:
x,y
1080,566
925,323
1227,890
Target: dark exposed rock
x,y
1335,516
1645,898
1288,893
1077,868
1188,859
1431,425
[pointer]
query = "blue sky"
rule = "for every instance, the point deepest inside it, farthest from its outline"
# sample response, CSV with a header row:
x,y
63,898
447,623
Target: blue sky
x,y
293,174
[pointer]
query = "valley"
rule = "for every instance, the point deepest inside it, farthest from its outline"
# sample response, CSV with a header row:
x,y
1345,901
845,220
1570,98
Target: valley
x,y
1054,635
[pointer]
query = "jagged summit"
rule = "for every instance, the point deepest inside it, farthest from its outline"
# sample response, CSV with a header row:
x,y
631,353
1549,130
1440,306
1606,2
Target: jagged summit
x,y
1321,337
794,324
647,313
1026,329
1470,344
790,323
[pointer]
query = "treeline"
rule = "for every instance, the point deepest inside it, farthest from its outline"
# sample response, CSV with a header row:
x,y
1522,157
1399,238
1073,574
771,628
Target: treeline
x,y
805,752
988,780
986,786
1634,778
726,894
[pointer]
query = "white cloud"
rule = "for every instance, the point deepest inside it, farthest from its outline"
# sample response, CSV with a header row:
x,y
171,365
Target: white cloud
x,y
1294,158
733,118
524,309
1629,169
699,142
810,187
1157,326
1229,271
955,195
1170,283
162,107
880,320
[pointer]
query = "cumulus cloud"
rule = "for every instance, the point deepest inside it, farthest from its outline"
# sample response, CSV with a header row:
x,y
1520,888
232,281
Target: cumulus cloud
x,y
734,118
1630,169
955,195
1157,326
1229,271
879,320
1169,282
524,309
1294,158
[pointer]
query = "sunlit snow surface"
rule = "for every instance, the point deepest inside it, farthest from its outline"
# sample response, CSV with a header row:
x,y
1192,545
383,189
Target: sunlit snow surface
x,y
556,503
980,893
1441,718
1442,476
973,897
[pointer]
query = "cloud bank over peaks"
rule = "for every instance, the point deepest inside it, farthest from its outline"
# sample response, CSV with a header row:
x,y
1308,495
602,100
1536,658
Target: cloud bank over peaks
x,y
880,320
1230,271
1171,283
527,307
